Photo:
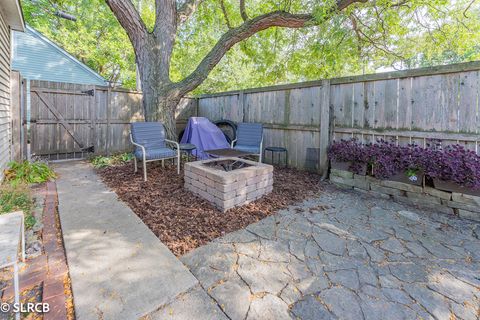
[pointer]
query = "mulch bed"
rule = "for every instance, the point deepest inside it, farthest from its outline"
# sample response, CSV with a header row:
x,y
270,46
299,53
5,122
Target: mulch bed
x,y
184,221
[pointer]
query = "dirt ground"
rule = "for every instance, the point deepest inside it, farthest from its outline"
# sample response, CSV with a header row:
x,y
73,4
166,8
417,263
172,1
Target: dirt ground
x,y
184,221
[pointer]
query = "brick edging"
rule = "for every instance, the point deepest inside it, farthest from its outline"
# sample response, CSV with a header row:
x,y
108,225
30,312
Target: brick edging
x,y
54,291
463,205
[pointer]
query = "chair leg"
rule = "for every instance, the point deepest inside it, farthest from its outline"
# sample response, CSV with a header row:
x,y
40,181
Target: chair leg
x,y
144,170
135,164
178,164
16,289
163,163
23,238
260,158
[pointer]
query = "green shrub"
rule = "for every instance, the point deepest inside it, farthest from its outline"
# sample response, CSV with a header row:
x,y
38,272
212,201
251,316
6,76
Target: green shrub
x,y
100,162
115,160
16,198
28,172
126,157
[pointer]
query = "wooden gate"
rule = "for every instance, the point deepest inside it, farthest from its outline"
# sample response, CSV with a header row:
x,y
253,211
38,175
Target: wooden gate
x,y
62,120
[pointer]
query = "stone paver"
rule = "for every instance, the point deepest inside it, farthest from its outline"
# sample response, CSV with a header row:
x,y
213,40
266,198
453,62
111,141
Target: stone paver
x,y
194,304
345,255
118,267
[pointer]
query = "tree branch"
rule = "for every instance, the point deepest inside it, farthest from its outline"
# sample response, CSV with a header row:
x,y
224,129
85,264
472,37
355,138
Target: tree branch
x,y
244,31
243,12
225,14
468,8
235,35
342,4
130,20
187,9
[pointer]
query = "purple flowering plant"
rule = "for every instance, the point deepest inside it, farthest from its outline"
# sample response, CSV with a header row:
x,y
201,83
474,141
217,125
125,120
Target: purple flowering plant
x,y
385,158
450,163
351,151
412,160
454,163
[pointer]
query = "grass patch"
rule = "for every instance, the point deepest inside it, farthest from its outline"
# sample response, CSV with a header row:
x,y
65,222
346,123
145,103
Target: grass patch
x,y
28,172
17,198
114,160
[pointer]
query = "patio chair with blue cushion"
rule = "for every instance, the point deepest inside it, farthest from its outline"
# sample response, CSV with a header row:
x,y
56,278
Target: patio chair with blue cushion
x,y
151,145
249,138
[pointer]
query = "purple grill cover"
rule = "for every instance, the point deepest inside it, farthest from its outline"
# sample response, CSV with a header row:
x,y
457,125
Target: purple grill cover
x,y
204,135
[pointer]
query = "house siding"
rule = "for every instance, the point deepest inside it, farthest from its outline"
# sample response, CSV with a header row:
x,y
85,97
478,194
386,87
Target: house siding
x,y
37,58
5,121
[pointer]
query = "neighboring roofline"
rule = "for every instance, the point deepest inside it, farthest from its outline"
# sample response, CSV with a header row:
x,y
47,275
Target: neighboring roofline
x,y
65,53
12,12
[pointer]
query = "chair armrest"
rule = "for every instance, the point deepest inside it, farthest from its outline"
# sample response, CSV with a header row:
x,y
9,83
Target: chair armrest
x,y
232,143
177,145
137,144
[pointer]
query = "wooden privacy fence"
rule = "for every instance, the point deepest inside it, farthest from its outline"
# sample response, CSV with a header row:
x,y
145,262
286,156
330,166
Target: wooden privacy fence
x,y
296,118
74,121
69,121
407,106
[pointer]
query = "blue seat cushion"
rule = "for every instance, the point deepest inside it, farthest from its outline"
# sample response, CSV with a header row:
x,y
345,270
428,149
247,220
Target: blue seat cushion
x,y
249,149
155,153
151,135
249,134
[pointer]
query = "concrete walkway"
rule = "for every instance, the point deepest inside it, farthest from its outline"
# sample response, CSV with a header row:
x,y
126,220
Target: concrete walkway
x,y
118,267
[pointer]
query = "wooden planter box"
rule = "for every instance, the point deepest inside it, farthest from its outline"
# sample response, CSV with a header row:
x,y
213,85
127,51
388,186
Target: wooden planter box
x,y
345,166
402,177
453,187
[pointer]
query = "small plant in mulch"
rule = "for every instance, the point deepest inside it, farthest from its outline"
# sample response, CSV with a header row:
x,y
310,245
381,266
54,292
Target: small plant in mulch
x,y
27,172
115,160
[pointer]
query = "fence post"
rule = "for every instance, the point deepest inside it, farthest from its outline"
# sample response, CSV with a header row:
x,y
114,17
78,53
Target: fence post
x,y
197,107
93,120
16,119
109,103
23,115
325,127
241,104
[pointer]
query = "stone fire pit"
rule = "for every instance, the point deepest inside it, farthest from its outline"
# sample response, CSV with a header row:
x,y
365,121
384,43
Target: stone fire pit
x,y
229,182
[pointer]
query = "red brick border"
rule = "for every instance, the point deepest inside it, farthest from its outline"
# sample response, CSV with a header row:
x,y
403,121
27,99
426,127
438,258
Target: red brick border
x,y
50,267
54,284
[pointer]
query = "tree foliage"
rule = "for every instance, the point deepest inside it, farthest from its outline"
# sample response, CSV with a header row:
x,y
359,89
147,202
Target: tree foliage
x,y
364,38
96,38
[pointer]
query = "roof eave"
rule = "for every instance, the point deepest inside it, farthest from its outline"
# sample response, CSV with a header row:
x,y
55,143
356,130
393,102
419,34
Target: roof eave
x,y
12,12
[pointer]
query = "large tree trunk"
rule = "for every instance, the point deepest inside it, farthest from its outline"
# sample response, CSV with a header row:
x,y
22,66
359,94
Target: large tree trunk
x,y
160,105
160,96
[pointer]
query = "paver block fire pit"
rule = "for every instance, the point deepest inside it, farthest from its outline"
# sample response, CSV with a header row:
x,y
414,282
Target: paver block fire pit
x,y
229,182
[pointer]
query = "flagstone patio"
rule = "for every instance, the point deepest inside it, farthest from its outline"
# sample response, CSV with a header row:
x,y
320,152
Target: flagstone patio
x,y
345,256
